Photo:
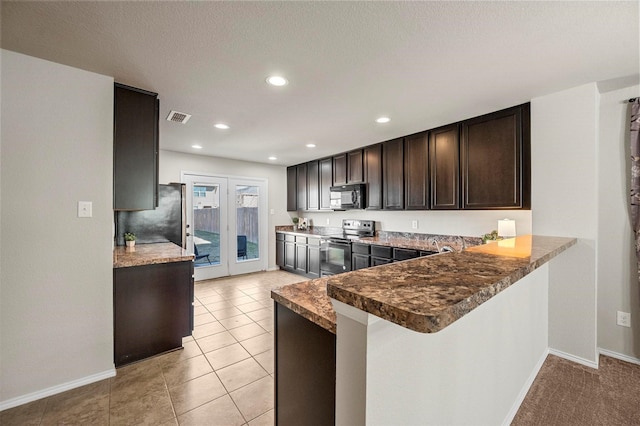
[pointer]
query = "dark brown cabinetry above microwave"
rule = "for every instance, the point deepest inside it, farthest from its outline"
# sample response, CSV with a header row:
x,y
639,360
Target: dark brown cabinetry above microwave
x,y
135,148
480,163
348,168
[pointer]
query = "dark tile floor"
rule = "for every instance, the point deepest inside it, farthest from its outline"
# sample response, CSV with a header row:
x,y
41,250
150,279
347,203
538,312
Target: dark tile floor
x,y
223,376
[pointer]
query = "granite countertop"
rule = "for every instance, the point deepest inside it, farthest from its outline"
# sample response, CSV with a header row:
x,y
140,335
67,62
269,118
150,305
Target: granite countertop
x,y
149,254
424,294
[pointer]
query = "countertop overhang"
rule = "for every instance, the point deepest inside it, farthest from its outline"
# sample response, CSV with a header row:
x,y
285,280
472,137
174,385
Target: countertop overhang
x,y
149,254
424,294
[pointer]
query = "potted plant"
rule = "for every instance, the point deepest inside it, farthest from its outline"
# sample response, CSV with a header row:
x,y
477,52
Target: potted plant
x,y
295,222
130,239
492,236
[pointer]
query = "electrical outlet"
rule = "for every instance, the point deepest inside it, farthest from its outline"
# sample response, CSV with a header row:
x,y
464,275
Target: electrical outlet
x,y
414,224
328,222
623,319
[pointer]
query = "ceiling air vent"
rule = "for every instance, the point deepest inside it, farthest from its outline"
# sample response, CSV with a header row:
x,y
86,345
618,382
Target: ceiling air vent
x,y
178,117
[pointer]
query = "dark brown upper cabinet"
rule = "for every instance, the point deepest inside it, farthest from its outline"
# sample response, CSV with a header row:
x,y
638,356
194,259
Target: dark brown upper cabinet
x,y
416,171
496,161
135,149
340,169
292,189
373,176
444,164
355,167
313,186
348,168
326,181
393,174
302,186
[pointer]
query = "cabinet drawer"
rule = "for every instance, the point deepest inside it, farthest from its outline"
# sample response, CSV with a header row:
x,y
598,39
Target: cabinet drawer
x,y
313,242
290,238
404,254
376,261
359,248
427,253
301,240
382,251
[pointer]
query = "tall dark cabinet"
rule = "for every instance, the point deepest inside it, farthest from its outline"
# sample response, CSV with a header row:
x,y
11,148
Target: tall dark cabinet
x,y
340,169
292,189
416,171
495,171
313,186
302,186
326,181
444,165
135,148
355,171
373,176
393,174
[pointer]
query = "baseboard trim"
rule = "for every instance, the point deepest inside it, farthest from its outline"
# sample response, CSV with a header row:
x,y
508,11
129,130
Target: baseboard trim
x,y
525,389
275,268
619,356
573,358
34,396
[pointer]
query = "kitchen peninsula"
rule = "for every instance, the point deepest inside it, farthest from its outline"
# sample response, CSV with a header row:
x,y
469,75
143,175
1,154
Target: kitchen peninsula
x,y
436,340
152,298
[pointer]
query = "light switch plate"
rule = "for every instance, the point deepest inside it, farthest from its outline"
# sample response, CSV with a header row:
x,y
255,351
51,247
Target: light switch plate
x,y
85,209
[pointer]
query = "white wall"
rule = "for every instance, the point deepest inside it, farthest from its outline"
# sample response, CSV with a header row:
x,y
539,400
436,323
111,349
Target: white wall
x,y
172,163
564,197
467,223
618,287
56,322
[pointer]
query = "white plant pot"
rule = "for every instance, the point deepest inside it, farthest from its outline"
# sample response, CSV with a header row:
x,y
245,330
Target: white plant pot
x,y
130,243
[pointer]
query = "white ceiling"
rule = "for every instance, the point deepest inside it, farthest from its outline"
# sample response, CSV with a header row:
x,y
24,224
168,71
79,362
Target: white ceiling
x,y
423,64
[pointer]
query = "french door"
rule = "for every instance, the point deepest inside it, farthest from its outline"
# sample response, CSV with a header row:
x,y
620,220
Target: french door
x,y
227,224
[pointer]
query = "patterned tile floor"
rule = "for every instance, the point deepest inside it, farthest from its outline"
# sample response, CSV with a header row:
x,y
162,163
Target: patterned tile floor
x,y
223,376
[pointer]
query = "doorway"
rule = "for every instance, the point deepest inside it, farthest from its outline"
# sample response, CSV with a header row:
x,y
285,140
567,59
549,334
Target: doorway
x,y
227,224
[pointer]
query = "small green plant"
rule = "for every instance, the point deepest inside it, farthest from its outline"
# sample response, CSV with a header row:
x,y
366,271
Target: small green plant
x,y
129,236
492,236
295,220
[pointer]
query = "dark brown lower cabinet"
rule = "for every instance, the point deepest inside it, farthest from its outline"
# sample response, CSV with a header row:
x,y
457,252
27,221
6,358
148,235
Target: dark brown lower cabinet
x,y
305,371
152,309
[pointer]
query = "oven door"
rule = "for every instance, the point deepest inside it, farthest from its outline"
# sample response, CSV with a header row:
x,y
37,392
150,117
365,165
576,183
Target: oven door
x,y
335,257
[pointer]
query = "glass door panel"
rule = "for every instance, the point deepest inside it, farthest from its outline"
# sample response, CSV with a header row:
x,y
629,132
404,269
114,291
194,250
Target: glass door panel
x,y
249,225
247,222
207,200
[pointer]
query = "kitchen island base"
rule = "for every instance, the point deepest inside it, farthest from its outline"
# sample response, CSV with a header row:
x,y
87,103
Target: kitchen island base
x,y
475,371
305,370
152,308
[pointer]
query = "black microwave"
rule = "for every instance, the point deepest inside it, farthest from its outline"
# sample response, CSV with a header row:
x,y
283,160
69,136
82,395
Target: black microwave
x,y
347,197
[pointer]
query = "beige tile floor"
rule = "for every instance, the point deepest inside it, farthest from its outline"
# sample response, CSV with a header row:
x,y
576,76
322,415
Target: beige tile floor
x,y
223,376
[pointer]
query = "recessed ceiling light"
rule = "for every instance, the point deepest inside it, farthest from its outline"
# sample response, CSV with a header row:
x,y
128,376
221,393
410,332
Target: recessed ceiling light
x,y
276,80
196,146
383,120
311,145
221,126
272,158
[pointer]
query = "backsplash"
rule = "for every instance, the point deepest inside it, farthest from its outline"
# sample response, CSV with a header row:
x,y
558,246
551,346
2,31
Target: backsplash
x,y
435,242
